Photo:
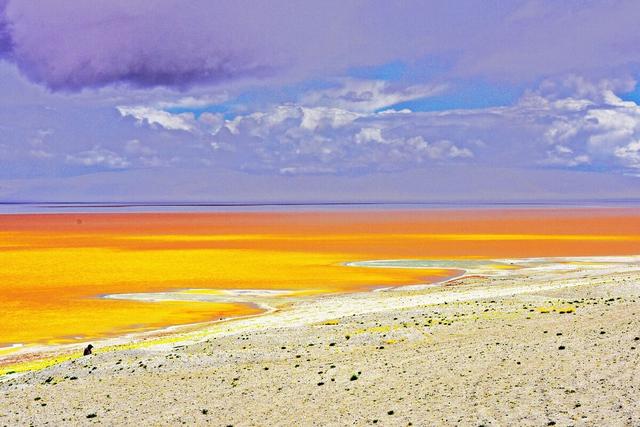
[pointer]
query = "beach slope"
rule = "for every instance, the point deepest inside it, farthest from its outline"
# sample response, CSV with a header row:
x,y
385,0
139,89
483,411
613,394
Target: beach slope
x,y
551,342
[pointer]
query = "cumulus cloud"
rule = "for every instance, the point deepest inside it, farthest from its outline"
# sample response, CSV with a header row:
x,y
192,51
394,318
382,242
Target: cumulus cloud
x,y
332,130
560,155
157,117
565,123
283,117
568,123
116,84
594,127
629,154
295,138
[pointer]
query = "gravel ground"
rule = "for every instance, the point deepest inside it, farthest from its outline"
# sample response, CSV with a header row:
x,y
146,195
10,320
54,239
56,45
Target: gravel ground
x,y
548,356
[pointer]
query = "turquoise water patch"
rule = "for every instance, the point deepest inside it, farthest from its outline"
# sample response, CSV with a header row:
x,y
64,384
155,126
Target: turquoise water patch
x,y
417,263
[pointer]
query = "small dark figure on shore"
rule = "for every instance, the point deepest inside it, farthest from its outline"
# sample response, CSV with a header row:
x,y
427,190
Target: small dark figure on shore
x,y
87,351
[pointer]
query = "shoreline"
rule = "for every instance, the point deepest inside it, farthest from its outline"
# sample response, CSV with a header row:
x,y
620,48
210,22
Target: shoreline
x,y
518,348
29,358
41,356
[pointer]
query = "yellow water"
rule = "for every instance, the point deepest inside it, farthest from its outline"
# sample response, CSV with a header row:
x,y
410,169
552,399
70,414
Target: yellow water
x,y
55,268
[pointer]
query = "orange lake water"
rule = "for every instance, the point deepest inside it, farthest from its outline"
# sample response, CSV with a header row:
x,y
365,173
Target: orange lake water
x,y
54,268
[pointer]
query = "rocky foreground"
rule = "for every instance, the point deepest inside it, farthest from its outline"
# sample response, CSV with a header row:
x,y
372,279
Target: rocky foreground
x,y
557,347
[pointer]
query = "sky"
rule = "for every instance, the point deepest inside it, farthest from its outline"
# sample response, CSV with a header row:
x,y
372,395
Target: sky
x,y
166,100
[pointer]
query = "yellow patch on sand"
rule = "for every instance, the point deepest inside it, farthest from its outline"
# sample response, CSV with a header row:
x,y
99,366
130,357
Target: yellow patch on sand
x,y
331,322
375,330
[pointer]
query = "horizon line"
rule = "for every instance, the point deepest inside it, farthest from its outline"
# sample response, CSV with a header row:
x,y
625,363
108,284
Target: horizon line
x,y
125,203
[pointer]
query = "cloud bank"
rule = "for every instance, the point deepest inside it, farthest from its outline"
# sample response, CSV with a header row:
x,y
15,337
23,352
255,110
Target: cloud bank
x,y
71,45
568,123
325,90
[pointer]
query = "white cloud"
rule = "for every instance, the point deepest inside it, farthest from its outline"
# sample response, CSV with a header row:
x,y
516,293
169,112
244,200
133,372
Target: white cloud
x,y
299,139
368,95
98,157
290,116
211,121
462,153
194,101
312,118
438,150
369,135
629,154
602,130
569,123
153,116
561,155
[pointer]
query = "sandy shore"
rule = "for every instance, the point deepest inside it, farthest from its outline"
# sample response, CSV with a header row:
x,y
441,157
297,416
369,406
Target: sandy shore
x,y
554,342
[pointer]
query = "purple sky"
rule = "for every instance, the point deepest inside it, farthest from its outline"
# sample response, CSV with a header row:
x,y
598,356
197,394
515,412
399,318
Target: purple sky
x,y
333,100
